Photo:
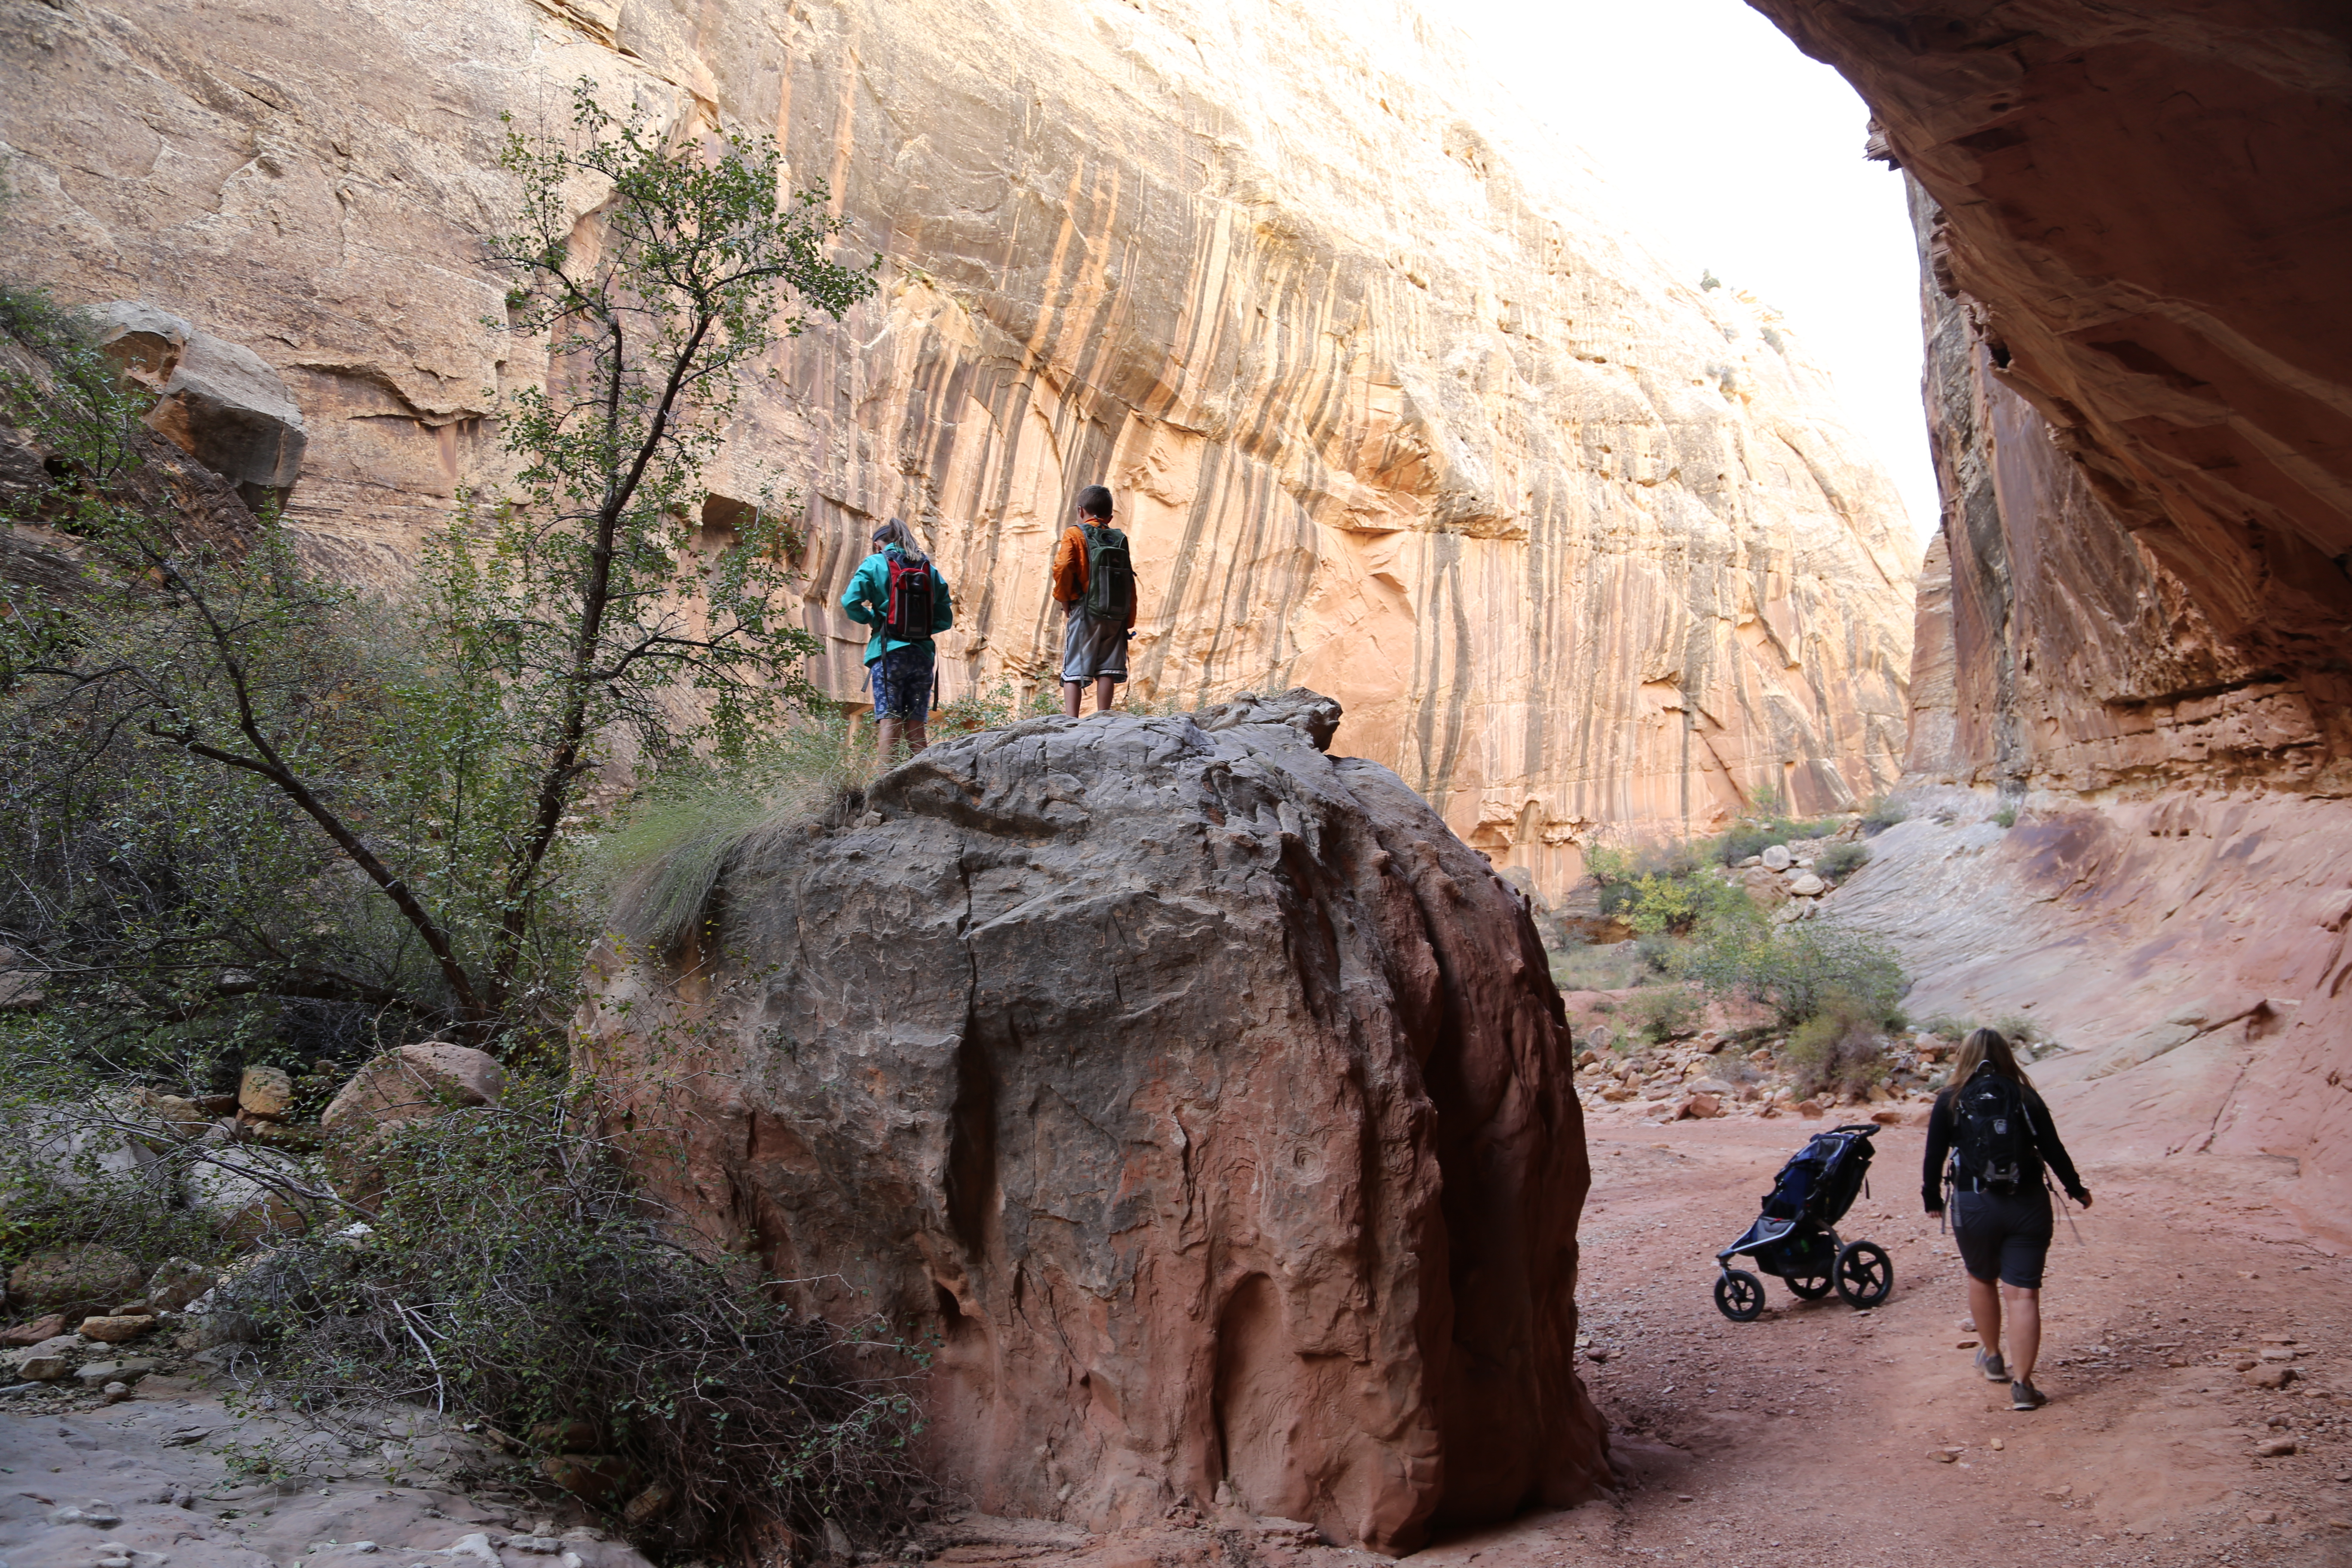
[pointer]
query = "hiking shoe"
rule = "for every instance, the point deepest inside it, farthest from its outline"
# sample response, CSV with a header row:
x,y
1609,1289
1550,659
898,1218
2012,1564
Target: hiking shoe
x,y
1989,1363
2025,1396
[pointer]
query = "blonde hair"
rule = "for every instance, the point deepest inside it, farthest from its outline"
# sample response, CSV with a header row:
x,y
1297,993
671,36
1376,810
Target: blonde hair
x,y
1984,1046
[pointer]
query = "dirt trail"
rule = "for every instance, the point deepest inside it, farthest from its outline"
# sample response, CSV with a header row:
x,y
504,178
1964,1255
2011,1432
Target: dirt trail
x,y
1807,1435
1811,1436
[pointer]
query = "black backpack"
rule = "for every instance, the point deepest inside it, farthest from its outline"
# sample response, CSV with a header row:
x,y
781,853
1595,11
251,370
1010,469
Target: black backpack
x,y
1995,1138
909,619
1110,575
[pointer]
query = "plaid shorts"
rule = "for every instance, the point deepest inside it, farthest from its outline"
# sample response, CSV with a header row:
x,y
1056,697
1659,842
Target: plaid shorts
x,y
902,681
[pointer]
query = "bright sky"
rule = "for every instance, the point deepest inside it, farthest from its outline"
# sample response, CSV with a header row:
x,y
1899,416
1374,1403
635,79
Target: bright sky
x,y
1735,152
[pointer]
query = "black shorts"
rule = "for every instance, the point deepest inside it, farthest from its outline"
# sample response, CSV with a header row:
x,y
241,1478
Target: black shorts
x,y
2003,1237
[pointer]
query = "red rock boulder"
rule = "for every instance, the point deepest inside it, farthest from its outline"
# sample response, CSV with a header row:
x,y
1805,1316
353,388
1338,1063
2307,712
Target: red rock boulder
x,y
1202,1094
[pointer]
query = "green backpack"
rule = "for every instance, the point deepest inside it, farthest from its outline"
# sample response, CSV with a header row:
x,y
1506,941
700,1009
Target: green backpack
x,y
1110,575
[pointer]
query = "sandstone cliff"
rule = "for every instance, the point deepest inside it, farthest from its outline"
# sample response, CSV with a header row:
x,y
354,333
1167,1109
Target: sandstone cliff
x,y
1394,407
2137,619
1206,1098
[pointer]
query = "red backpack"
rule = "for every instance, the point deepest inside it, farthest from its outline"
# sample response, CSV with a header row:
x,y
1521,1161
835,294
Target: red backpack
x,y
909,619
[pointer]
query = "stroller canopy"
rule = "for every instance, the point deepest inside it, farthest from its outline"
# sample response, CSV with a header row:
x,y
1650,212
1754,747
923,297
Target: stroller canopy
x,y
1821,1180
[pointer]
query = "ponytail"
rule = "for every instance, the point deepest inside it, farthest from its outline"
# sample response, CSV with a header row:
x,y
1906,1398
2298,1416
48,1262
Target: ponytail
x,y
896,535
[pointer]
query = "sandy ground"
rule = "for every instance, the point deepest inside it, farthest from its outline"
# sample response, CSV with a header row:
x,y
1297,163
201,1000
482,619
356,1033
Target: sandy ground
x,y
1819,1435
1816,1434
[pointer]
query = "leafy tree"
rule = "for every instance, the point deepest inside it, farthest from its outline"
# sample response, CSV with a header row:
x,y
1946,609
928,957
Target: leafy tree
x,y
406,778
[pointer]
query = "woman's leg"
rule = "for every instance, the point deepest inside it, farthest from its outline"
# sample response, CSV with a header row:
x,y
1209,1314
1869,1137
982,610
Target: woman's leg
x,y
1984,1306
2024,1328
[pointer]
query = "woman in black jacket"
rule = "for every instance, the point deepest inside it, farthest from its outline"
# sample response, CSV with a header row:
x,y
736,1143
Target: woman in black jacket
x,y
1999,1136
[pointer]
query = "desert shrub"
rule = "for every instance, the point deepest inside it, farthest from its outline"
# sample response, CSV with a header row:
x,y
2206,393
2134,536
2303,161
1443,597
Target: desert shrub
x,y
1796,969
1738,844
1946,1028
1658,951
1667,1013
513,1275
674,840
1597,967
2006,816
1841,1046
1882,814
1839,861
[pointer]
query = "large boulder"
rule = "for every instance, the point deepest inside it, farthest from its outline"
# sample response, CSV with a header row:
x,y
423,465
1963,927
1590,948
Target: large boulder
x,y
74,1280
254,1196
1205,1097
218,401
405,1084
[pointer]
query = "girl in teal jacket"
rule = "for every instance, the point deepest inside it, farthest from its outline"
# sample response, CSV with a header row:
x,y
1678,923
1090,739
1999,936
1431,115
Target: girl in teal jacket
x,y
899,672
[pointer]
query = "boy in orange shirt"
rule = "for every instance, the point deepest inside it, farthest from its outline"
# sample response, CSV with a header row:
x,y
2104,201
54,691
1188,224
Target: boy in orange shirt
x,y
1094,582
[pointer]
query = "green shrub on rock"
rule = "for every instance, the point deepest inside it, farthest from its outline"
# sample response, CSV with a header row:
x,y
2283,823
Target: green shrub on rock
x,y
1839,861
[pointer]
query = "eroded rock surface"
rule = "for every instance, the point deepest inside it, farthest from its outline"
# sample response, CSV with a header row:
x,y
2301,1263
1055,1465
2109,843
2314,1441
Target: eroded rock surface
x,y
1205,1096
1395,407
2140,379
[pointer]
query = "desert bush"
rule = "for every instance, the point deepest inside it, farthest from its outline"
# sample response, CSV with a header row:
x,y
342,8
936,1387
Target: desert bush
x,y
1839,861
1597,967
673,842
2006,816
1842,1046
1667,1013
1882,814
513,1275
1658,951
1796,969
1736,844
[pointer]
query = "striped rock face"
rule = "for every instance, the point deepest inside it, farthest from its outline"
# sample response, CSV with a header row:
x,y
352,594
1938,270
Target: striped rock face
x,y
1393,406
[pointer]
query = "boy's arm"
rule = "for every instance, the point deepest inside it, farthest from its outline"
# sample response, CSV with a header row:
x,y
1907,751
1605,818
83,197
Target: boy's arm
x,y
1070,567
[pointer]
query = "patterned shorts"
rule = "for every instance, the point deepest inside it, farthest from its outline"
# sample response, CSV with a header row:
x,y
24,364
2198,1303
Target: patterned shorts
x,y
902,681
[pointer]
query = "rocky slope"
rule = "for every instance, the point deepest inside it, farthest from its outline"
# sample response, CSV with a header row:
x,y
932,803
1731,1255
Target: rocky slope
x,y
1394,407
2136,622
1203,1096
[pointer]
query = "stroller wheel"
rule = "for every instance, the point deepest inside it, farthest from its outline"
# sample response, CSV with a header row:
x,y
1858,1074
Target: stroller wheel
x,y
1864,1274
1739,1295
1814,1289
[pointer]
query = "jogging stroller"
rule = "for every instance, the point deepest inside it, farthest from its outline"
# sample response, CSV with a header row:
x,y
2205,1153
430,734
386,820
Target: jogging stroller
x,y
1796,1236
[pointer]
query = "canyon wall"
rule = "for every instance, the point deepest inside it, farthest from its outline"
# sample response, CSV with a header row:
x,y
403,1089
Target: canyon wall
x,y
2136,621
1394,406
